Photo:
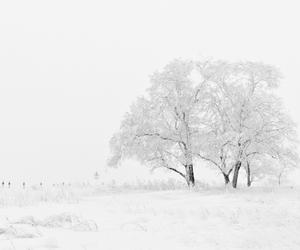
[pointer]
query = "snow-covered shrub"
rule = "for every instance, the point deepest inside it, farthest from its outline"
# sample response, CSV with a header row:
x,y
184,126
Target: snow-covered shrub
x,y
69,221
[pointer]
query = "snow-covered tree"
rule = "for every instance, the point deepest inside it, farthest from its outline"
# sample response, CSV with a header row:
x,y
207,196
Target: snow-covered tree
x,y
161,129
247,118
224,113
287,159
274,167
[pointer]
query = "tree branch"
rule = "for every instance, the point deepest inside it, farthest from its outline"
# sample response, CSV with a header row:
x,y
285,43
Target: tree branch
x,y
171,154
158,135
210,160
165,164
175,170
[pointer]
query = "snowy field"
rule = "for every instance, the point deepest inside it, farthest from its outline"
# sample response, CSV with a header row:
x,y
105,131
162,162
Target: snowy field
x,y
142,220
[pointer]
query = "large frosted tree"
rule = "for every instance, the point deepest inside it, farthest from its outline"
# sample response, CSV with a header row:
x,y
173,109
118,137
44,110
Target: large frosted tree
x,y
226,114
249,120
161,128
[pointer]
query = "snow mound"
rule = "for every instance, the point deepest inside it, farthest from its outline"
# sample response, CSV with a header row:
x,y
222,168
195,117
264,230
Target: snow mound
x,y
8,231
70,221
63,220
29,227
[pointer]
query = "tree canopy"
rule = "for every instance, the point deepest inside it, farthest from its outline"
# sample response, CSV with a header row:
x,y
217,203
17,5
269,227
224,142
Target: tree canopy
x,y
226,114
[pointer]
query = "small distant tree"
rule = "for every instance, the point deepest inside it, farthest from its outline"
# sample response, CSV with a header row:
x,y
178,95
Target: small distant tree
x,y
287,159
96,176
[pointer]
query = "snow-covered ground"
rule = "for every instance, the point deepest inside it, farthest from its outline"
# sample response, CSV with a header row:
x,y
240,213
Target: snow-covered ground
x,y
209,219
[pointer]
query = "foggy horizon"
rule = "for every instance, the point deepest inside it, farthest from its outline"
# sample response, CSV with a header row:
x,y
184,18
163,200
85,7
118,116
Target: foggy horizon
x,y
70,70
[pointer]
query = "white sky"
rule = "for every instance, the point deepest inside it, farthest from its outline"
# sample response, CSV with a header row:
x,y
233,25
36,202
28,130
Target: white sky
x,y
70,69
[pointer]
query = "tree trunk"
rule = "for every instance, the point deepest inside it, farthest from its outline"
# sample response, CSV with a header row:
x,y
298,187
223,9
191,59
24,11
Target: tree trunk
x,y
190,179
248,174
236,173
226,178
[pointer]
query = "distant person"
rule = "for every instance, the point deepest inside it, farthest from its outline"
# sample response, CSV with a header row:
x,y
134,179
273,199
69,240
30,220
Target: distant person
x,y
3,184
23,185
41,184
9,184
